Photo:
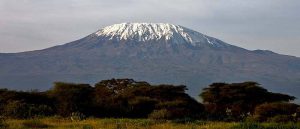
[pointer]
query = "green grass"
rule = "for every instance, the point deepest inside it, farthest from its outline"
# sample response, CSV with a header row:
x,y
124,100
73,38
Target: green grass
x,y
93,123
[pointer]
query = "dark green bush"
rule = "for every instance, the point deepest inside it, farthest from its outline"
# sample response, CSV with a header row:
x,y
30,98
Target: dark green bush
x,y
277,112
21,110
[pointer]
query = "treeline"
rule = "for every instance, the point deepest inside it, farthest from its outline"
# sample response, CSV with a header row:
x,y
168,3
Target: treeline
x,y
127,98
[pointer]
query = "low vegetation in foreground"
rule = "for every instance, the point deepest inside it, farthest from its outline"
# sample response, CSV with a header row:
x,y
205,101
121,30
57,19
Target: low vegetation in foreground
x,y
67,105
96,123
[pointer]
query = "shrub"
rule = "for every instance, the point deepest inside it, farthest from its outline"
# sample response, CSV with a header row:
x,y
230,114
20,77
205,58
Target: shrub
x,y
248,125
141,106
3,125
273,111
77,116
35,124
160,114
16,109
21,110
39,110
297,115
254,118
281,118
181,109
87,127
2,122
239,98
170,114
71,97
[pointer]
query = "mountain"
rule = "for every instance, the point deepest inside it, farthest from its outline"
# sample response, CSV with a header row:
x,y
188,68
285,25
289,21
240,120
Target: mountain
x,y
153,52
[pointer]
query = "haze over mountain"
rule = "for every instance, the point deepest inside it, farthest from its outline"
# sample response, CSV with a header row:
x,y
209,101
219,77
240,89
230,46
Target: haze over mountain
x,y
153,52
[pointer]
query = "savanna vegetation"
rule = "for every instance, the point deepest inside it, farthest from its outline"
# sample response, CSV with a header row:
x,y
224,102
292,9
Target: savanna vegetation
x,y
120,103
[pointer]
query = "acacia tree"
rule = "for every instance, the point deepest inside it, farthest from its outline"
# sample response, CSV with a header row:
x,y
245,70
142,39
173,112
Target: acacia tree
x,y
72,97
172,101
237,99
129,98
110,98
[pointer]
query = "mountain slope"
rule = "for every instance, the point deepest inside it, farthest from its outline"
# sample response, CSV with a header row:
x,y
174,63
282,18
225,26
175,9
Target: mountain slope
x,y
158,53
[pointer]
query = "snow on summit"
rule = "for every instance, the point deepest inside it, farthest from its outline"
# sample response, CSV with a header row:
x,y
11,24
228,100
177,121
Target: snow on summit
x,y
156,31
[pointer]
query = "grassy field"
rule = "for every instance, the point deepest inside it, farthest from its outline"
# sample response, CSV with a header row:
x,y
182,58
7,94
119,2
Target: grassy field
x,y
58,123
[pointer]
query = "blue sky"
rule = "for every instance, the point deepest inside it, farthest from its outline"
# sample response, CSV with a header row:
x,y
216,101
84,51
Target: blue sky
x,y
252,24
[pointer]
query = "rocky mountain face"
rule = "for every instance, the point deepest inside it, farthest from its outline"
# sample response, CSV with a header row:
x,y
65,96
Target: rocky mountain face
x,y
153,52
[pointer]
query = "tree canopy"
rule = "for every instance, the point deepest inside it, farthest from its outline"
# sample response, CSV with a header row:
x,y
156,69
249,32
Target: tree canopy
x,y
238,99
127,98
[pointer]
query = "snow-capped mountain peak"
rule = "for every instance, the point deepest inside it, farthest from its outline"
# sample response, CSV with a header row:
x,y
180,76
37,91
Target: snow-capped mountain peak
x,y
156,31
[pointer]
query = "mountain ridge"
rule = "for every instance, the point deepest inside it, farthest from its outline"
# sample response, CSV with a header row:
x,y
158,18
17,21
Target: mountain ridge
x,y
95,58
